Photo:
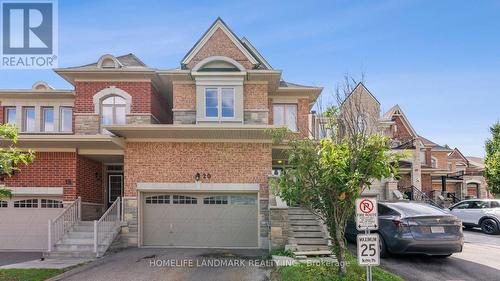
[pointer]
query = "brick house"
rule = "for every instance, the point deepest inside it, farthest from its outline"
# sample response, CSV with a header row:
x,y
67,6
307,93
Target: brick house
x,y
185,149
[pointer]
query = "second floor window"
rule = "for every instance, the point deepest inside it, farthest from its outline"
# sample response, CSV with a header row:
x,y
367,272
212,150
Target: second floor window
x,y
66,119
113,111
10,115
285,115
28,119
219,102
48,119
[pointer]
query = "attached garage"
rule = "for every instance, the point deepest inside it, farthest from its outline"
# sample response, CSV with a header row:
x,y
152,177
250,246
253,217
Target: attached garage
x,y
177,219
24,222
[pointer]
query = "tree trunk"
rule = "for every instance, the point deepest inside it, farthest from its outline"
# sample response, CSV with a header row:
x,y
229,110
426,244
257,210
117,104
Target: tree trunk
x,y
340,253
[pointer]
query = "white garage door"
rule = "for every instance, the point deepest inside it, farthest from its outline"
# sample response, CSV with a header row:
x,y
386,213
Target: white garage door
x,y
24,222
200,220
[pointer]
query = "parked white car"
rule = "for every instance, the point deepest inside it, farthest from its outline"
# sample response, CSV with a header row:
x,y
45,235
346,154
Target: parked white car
x,y
484,213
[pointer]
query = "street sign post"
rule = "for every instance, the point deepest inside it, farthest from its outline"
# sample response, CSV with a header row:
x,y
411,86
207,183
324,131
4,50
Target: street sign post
x,y
368,244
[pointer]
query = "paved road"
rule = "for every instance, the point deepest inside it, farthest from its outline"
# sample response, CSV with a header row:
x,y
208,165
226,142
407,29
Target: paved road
x,y
175,264
480,260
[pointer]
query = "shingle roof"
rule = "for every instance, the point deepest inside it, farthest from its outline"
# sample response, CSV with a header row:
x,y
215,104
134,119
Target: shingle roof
x,y
434,145
285,84
126,60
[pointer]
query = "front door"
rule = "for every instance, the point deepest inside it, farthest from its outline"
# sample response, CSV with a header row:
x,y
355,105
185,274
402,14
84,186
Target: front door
x,y
115,187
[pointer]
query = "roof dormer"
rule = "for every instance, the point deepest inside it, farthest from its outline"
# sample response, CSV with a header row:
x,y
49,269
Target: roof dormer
x,y
108,62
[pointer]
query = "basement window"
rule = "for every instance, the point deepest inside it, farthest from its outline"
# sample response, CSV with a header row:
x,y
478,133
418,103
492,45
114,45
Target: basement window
x,y
158,199
184,200
215,200
28,203
49,203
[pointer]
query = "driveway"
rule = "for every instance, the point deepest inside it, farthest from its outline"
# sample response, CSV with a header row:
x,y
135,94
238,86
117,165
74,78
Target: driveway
x,y
175,264
16,257
479,260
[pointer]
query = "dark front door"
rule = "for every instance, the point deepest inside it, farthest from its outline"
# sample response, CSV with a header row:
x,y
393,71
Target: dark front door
x,y
115,187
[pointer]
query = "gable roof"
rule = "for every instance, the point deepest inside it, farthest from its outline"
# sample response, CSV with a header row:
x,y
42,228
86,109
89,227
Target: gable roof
x,y
361,86
396,110
262,61
476,161
457,154
128,60
218,24
433,145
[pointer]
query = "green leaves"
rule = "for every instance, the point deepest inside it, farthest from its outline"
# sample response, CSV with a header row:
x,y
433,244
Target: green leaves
x,y
492,161
10,156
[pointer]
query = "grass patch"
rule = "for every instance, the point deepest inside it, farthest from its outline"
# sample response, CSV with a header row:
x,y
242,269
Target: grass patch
x,y
317,272
28,274
281,252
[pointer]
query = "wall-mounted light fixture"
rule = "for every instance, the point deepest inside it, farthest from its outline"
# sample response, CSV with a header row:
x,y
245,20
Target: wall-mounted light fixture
x,y
97,177
197,177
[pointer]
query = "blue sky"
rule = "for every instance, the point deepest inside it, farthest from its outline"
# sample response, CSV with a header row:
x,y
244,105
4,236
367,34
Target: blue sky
x,y
439,60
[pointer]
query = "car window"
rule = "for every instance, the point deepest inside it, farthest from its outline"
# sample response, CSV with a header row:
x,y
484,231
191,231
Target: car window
x,y
494,204
464,205
415,209
479,205
386,211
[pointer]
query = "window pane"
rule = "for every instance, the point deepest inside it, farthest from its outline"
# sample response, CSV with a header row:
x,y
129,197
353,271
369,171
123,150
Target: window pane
x,y
119,115
48,119
227,102
211,102
10,116
107,115
66,119
109,100
119,100
279,115
29,119
291,117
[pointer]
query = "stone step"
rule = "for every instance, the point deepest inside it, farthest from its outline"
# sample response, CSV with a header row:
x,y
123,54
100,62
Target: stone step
x,y
76,234
310,234
301,217
83,228
311,241
306,228
298,211
313,253
305,248
77,247
304,222
76,241
69,254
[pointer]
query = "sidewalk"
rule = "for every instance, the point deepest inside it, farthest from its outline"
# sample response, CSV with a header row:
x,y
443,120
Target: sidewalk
x,y
48,263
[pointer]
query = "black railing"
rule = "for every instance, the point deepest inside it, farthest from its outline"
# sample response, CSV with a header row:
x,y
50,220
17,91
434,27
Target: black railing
x,y
416,194
454,198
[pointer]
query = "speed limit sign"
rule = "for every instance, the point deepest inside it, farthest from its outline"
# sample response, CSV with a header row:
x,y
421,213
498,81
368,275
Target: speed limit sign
x,y
368,249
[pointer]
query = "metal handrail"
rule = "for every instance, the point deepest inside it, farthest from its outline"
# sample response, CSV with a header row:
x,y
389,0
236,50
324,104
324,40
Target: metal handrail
x,y
105,227
421,196
64,222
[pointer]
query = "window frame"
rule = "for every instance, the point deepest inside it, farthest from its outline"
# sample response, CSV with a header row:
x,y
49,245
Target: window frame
x,y
285,105
43,119
113,107
61,119
6,115
219,96
25,110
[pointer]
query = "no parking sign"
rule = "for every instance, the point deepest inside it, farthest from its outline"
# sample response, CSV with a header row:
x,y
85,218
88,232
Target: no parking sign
x,y
366,214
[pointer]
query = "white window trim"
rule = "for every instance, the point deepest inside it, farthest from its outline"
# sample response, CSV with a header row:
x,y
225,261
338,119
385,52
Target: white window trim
x,y
61,109
285,114
6,113
24,115
435,159
111,91
219,103
42,125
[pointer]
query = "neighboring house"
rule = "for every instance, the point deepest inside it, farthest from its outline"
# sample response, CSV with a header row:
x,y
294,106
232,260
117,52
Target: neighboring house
x,y
430,170
186,148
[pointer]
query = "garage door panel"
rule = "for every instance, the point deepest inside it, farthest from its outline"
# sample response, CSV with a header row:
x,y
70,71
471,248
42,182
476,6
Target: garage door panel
x,y
200,225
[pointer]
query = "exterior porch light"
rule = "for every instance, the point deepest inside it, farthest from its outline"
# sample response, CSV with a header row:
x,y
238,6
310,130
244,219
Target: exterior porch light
x,y
280,161
197,177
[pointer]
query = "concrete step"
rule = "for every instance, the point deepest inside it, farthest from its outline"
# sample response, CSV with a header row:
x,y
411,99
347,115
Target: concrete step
x,y
69,254
77,248
83,228
306,228
311,241
304,222
310,234
76,241
301,217
76,234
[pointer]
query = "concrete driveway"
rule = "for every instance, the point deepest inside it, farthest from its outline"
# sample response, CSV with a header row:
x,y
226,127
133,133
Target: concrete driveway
x,y
17,257
175,264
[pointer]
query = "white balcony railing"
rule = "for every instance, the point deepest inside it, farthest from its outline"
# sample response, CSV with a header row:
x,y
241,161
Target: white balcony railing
x,y
64,222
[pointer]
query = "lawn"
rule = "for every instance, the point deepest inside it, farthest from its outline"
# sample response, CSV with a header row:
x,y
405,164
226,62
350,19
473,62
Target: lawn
x,y
306,272
28,274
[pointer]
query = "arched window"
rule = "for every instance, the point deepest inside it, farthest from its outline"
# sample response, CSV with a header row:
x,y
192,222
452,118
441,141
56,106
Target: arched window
x,y
113,110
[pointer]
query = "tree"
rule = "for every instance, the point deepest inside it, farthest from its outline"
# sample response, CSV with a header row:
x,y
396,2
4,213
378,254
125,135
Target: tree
x,y
328,176
492,161
10,156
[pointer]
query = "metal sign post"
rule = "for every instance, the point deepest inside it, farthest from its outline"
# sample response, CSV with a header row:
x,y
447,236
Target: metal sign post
x,y
368,244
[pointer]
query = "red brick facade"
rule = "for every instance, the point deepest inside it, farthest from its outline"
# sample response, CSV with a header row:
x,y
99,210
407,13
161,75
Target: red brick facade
x,y
401,132
179,163
89,180
303,116
255,96
220,44
184,96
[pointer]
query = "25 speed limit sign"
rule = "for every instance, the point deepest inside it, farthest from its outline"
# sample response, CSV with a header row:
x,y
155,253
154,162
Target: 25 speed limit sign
x,y
368,249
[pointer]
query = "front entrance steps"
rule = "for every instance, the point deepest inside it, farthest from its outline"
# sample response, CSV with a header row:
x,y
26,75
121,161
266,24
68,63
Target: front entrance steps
x,y
307,235
79,242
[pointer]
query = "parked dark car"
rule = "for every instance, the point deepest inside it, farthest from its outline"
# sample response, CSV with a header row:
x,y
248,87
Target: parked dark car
x,y
414,228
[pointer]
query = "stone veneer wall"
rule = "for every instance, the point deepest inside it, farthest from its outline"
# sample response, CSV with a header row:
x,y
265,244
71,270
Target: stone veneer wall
x,y
279,226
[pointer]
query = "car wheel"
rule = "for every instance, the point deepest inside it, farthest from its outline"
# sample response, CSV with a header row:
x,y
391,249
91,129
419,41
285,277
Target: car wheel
x,y
489,226
468,227
384,253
